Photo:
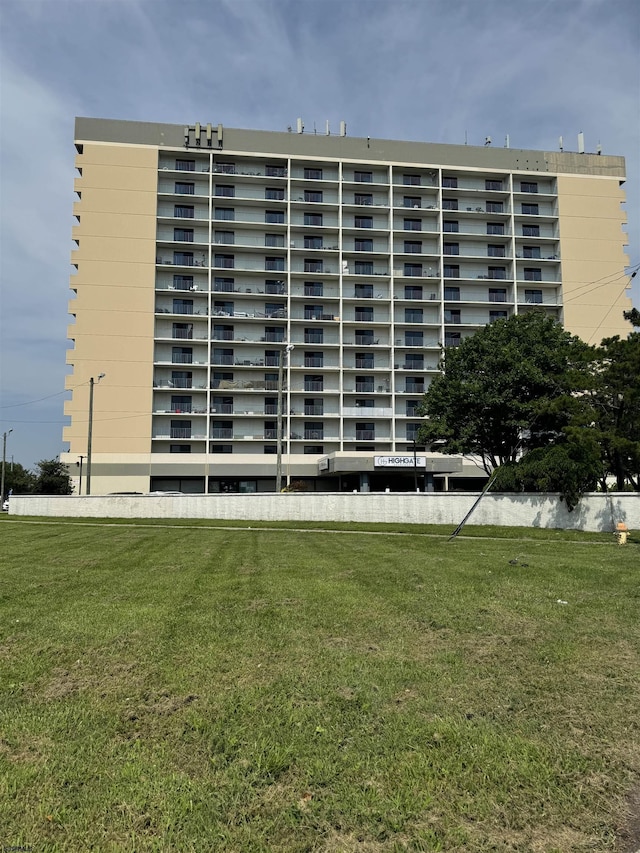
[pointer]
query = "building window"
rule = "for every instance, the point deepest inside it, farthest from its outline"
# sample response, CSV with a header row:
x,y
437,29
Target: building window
x,y
181,403
225,190
312,265
184,235
313,336
222,405
452,339
313,359
184,211
270,429
497,315
183,282
275,171
451,249
224,237
274,309
222,355
182,306
274,264
451,226
414,361
365,360
271,382
491,184
180,429
313,242
271,405
313,449
413,247
274,241
313,174
496,251
313,312
222,448
363,198
364,337
413,385
363,314
274,334
413,315
184,188
222,332
222,308
363,177
530,209
272,358
412,270
225,213
273,285
528,187
494,207
226,261
413,338
452,315
181,355
364,384
411,180
530,230
449,182
225,168
497,272
181,379
313,219
313,406
411,201
451,271
497,294
222,429
274,194
365,431
531,252
274,217
412,408
364,267
452,294
184,259
313,288
363,245
532,274
179,448
313,382
221,380
413,291
495,228
185,165
533,297
223,285
313,430
413,225
363,221
363,291
313,195
449,203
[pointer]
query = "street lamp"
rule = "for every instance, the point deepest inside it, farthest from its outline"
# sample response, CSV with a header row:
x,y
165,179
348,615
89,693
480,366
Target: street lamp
x,y
4,454
285,352
92,382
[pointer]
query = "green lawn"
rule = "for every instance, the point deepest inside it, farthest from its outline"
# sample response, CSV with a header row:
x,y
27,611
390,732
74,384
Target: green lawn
x,y
193,688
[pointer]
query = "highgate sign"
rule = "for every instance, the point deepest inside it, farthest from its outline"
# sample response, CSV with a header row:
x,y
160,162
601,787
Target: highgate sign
x,y
399,461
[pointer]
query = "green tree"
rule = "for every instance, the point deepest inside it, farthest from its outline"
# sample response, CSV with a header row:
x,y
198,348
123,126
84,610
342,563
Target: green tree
x,y
514,386
52,478
616,403
18,479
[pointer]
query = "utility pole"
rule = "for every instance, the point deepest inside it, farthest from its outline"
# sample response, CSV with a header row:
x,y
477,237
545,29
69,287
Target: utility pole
x,y
4,455
92,382
80,464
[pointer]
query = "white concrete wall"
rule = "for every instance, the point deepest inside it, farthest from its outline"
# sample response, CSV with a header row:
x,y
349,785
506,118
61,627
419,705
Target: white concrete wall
x,y
596,512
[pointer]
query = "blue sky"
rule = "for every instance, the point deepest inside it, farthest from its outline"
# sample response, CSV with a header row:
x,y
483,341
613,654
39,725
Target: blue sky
x,y
429,70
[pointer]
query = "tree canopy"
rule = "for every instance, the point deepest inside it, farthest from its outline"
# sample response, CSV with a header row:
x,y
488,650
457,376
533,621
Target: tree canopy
x,y
509,388
52,478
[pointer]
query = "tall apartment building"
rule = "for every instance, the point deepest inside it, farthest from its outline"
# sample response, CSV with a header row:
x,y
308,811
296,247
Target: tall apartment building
x,y
202,252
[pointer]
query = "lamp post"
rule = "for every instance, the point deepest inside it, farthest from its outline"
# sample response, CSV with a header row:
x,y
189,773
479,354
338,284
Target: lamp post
x,y
80,465
285,352
92,382
4,454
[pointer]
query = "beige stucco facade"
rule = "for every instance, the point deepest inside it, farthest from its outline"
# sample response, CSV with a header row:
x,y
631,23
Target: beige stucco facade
x,y
198,256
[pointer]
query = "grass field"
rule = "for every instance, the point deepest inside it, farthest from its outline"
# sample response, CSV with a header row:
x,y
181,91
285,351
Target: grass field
x,y
193,688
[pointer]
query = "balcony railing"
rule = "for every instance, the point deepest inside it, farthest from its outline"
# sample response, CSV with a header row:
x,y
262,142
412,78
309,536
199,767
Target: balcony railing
x,y
180,432
217,432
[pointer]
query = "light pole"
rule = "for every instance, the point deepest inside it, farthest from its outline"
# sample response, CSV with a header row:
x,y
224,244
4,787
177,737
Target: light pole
x,y
92,382
4,455
80,465
284,354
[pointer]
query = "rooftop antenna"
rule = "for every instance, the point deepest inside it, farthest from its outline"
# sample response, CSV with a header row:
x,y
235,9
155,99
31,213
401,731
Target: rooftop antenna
x,y
581,143
598,149
300,126
561,143
487,140
507,142
343,128
465,137
327,131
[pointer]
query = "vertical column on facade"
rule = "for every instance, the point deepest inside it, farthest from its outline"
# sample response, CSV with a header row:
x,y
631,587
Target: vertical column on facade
x,y
439,203
340,309
392,319
512,242
287,374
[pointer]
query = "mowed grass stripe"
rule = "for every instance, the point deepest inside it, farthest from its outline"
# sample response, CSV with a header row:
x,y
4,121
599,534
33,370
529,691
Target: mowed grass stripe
x,y
215,689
